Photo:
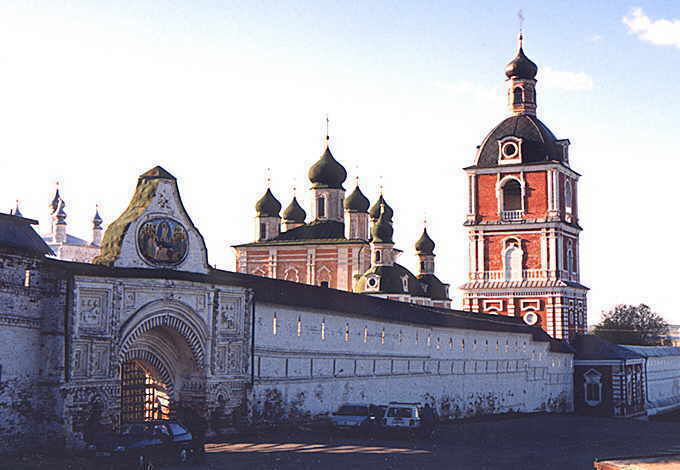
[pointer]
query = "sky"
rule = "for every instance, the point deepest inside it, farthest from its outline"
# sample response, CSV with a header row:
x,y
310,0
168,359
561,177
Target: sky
x,y
92,94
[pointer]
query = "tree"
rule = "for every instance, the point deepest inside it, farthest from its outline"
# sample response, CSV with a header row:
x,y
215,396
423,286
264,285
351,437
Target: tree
x,y
631,324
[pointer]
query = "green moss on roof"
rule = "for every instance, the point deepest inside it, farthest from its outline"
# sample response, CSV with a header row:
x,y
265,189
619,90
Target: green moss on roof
x,y
113,237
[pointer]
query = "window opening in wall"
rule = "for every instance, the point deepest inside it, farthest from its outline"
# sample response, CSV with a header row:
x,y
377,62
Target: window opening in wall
x,y
321,207
346,332
299,326
275,326
498,346
404,283
422,265
593,387
324,284
263,230
365,334
323,329
451,344
401,336
429,340
378,255
512,196
416,337
570,257
27,278
382,336
568,196
507,346
517,95
486,346
438,342
462,345
513,260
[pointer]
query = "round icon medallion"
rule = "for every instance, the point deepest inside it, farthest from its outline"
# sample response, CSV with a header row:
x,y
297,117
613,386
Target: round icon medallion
x,y
162,241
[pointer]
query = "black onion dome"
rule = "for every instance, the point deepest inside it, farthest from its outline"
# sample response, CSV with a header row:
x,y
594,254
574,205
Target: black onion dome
x,y
425,245
374,211
294,212
390,281
382,231
268,205
327,172
521,66
539,144
356,201
97,219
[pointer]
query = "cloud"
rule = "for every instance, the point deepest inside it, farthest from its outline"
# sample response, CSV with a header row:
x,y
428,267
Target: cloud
x,y
595,38
561,80
659,32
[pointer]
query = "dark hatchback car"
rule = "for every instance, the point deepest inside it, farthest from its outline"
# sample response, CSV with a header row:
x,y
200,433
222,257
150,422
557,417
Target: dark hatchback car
x,y
140,444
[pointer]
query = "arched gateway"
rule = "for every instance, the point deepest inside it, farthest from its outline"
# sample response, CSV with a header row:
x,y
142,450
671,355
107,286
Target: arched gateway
x,y
153,328
162,359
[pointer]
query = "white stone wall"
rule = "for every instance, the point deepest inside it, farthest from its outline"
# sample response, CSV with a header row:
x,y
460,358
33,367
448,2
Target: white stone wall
x,y
332,358
663,384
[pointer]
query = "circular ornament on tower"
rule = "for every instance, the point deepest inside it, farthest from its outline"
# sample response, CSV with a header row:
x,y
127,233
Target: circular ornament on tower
x,y
530,318
162,241
510,150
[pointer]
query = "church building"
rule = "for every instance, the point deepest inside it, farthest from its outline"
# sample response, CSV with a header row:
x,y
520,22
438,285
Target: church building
x,y
522,221
337,248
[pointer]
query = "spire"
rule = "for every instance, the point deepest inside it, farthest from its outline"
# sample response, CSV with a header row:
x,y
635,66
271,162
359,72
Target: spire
x,y
55,200
17,212
61,213
97,220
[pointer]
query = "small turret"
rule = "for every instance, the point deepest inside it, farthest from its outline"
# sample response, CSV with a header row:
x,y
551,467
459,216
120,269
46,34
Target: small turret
x,y
59,223
356,215
382,245
327,176
425,252
97,230
268,220
294,215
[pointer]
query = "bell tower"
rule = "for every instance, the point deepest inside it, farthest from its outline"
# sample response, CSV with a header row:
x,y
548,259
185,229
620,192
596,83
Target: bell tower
x,y
522,220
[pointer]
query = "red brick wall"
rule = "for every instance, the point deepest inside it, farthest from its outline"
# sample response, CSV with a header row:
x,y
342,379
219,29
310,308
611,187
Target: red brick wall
x,y
536,194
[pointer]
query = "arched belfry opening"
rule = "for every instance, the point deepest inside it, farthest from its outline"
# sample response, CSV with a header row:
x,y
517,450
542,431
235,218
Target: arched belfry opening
x,y
161,369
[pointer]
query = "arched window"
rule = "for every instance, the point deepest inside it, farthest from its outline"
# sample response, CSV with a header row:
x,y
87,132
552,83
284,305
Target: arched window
x,y
592,383
513,260
570,257
378,256
512,196
568,197
517,95
321,207
263,231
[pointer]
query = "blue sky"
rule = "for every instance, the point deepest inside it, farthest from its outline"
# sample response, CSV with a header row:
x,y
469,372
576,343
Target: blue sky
x,y
94,93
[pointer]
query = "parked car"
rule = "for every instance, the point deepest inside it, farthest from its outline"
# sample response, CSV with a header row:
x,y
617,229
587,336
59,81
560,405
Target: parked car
x,y
413,417
137,445
358,416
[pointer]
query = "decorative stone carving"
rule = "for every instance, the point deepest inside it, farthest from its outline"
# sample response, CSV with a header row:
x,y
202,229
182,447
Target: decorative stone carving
x,y
235,362
100,360
80,358
93,311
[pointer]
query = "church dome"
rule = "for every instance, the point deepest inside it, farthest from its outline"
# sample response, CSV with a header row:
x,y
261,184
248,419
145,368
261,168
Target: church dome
x,y
294,212
327,172
374,211
425,245
538,143
521,66
389,280
382,230
268,205
356,201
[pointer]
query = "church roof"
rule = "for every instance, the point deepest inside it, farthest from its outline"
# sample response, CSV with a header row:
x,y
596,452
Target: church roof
x,y
391,281
70,240
16,233
268,205
382,230
317,232
521,66
327,172
539,144
435,289
374,211
356,201
425,245
294,212
592,348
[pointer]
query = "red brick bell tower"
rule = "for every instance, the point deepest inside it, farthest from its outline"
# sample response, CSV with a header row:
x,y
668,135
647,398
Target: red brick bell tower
x,y
522,219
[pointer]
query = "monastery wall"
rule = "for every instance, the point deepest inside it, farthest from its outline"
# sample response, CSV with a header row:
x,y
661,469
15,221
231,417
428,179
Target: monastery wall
x,y
31,352
307,363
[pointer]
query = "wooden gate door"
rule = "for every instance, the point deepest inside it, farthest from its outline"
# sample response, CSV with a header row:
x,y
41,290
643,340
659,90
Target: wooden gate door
x,y
133,392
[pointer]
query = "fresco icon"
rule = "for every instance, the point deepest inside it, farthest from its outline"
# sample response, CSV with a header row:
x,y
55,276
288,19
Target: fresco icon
x,y
163,241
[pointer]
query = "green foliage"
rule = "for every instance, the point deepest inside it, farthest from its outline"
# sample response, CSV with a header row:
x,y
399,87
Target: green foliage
x,y
634,325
